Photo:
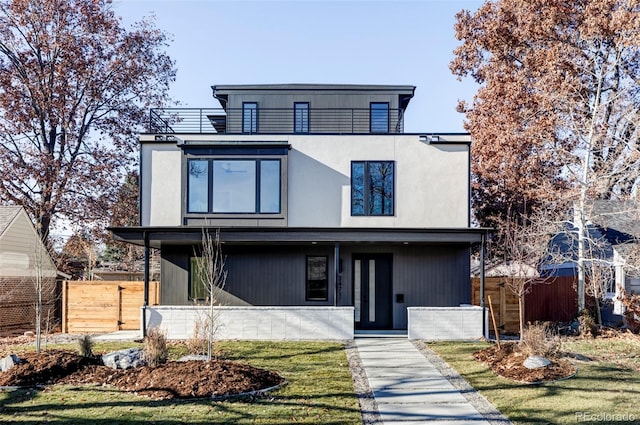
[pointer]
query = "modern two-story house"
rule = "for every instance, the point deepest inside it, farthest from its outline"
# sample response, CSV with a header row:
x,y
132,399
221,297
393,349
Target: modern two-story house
x,y
320,198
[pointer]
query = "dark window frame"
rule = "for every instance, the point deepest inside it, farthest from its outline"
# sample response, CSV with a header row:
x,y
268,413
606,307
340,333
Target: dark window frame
x,y
257,185
323,282
373,121
191,285
252,127
304,120
366,190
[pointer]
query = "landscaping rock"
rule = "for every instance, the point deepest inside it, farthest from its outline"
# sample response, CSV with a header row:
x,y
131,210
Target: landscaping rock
x,y
8,362
536,362
199,357
124,359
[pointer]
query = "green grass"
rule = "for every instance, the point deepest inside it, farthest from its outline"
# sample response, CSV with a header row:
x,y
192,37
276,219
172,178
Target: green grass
x,y
606,389
319,391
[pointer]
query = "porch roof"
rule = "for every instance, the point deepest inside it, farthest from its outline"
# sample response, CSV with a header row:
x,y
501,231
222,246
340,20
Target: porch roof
x,y
183,235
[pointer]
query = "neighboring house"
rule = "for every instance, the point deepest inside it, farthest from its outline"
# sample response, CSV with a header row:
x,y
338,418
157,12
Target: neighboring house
x,y
613,229
320,197
23,258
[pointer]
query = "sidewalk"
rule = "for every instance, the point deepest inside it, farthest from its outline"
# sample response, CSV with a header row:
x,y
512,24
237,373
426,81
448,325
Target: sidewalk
x,y
409,389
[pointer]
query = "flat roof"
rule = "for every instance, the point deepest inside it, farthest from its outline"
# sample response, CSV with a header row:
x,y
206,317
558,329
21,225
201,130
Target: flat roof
x,y
189,235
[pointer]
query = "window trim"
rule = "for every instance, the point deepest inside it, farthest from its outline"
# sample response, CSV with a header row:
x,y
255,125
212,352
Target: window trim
x,y
307,296
371,120
304,128
253,123
366,185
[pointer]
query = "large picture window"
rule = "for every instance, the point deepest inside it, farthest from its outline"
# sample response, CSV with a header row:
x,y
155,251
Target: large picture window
x,y
372,187
317,278
233,186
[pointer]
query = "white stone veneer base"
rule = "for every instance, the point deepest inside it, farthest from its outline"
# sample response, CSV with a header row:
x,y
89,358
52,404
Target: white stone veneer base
x,y
257,323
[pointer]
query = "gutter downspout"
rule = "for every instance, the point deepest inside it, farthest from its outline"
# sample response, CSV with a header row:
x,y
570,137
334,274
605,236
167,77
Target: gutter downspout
x,y
146,284
336,268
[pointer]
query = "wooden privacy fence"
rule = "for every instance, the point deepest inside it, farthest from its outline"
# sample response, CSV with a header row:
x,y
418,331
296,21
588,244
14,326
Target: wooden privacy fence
x,y
104,306
553,299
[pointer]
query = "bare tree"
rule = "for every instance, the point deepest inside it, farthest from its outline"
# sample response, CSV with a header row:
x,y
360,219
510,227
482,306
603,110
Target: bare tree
x,y
75,86
210,269
526,243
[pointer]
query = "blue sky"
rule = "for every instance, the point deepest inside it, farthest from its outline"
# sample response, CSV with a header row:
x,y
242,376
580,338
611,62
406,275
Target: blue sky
x,y
304,41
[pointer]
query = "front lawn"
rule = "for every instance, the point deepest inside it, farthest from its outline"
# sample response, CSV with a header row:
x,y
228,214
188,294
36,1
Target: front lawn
x,y
606,388
319,390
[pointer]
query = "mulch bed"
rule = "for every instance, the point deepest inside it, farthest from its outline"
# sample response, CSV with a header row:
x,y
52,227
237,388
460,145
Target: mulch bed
x,y
508,363
190,379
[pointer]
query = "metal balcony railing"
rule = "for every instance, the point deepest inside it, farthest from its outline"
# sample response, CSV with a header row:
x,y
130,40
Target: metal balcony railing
x,y
275,121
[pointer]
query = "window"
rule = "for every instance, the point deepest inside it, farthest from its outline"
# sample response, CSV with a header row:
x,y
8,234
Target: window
x,y
379,117
372,187
249,117
233,186
317,280
301,117
197,288
197,186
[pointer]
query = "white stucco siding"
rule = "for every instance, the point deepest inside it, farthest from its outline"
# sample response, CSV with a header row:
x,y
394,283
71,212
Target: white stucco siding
x,y
431,181
161,185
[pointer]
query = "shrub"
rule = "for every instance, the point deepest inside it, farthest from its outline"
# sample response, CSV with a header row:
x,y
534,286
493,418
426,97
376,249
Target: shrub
x,y
197,344
631,305
540,340
85,346
154,349
588,325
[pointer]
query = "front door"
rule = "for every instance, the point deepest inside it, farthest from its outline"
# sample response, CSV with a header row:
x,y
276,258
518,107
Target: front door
x,y
372,291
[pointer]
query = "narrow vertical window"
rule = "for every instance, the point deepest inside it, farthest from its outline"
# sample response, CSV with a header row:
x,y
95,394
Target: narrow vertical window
x,y
372,187
379,117
250,117
197,288
269,186
317,278
198,186
301,117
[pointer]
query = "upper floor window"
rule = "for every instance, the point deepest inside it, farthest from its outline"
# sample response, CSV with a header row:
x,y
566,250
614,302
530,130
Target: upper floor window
x,y
233,186
249,117
301,117
379,117
372,187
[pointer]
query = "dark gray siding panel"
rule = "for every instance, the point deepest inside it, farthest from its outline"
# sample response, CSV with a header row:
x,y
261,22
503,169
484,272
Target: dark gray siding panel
x,y
429,275
425,275
273,276
174,276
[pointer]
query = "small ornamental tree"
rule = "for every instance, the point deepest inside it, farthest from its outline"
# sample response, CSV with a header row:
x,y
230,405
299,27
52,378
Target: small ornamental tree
x,y
210,270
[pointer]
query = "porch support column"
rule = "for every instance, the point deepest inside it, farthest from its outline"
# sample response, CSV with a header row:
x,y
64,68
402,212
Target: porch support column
x,y
145,303
482,304
336,268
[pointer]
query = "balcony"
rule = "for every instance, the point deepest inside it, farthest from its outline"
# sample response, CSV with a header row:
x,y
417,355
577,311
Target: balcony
x,y
275,121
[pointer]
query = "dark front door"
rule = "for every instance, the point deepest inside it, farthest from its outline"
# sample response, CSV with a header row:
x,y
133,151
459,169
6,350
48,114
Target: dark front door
x,y
372,291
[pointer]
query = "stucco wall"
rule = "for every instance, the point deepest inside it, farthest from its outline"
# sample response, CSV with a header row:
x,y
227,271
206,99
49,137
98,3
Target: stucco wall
x,y
431,180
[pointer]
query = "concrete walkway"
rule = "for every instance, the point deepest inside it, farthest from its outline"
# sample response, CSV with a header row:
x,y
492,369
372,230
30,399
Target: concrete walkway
x,y
409,389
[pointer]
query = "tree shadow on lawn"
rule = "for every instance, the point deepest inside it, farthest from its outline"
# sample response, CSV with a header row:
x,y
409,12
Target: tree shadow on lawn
x,y
286,351
231,410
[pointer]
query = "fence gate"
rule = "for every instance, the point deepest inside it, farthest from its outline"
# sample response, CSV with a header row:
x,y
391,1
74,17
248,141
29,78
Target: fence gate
x,y
104,306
